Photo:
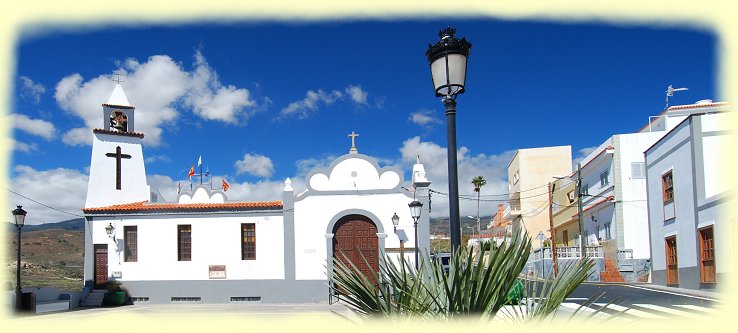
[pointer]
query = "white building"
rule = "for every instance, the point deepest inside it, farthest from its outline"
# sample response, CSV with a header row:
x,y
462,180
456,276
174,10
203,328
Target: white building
x,y
688,196
205,248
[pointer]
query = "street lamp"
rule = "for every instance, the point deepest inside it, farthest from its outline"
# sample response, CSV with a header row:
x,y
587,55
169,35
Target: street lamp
x,y
396,222
110,230
540,237
415,207
447,59
20,218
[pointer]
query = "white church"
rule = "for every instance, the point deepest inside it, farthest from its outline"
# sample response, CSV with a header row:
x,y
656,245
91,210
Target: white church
x,y
205,248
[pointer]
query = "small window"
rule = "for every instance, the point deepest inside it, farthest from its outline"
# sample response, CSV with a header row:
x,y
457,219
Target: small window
x,y
248,241
516,177
667,184
130,234
184,242
585,189
637,170
604,178
571,195
608,234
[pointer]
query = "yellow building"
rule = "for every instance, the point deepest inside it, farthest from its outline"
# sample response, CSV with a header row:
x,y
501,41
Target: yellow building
x,y
529,173
564,211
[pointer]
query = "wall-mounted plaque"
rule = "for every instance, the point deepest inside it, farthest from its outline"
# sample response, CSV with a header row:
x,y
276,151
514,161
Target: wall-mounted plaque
x,y
117,274
217,271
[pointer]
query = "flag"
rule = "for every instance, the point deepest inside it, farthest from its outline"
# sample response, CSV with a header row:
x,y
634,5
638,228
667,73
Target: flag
x,y
199,161
192,172
225,185
179,187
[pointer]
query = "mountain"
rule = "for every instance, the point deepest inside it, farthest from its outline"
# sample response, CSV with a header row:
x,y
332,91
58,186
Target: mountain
x,y
77,224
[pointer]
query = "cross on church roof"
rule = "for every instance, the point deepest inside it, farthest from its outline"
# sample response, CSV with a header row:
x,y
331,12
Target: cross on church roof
x,y
353,143
118,80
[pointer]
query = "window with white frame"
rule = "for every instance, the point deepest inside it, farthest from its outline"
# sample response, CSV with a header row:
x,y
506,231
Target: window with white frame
x,y
604,178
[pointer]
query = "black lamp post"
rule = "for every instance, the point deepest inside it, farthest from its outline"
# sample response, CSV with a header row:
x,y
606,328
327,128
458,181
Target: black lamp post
x,y
447,60
20,218
415,207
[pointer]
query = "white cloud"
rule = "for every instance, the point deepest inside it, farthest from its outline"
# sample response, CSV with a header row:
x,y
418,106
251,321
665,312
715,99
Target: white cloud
x,y
257,165
63,189
31,90
36,127
357,95
80,136
157,158
210,99
304,166
424,118
155,88
492,167
582,154
308,105
23,147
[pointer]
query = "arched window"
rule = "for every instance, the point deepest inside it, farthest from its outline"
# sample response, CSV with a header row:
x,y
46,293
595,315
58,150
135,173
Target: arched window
x,y
119,121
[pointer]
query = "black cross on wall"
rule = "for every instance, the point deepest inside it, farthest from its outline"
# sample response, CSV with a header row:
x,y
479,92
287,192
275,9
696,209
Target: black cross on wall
x,y
117,155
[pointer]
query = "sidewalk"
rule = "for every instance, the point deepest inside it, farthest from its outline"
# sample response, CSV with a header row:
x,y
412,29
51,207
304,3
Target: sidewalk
x,y
714,295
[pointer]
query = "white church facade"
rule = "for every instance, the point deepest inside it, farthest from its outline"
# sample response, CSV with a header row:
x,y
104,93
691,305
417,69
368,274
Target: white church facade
x,y
205,248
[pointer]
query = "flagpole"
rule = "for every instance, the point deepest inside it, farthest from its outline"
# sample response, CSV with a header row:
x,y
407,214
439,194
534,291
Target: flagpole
x,y
200,173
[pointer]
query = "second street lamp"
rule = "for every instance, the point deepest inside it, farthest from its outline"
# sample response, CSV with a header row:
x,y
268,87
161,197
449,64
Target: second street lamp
x,y
447,59
415,208
20,219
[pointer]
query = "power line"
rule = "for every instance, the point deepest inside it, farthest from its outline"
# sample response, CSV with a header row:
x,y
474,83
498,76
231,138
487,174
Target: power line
x,y
43,204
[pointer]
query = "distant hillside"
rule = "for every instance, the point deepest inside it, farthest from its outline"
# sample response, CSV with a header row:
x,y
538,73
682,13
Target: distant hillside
x,y
440,226
77,224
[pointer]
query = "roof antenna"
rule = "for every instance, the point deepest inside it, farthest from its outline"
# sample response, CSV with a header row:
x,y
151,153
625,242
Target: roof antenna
x,y
670,92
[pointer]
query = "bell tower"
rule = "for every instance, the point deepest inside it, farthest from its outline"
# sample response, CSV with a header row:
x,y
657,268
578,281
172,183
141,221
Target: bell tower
x,y
117,172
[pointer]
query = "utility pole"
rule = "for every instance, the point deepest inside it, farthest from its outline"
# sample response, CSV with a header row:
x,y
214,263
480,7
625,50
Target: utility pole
x,y
553,230
579,211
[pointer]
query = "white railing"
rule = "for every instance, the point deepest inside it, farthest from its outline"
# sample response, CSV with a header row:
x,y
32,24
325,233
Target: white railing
x,y
572,252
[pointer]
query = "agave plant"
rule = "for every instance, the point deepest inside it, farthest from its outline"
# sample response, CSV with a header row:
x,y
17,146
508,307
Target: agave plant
x,y
476,285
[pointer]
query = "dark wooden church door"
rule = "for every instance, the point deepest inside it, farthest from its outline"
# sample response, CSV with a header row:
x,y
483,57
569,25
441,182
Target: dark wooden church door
x,y
101,266
354,236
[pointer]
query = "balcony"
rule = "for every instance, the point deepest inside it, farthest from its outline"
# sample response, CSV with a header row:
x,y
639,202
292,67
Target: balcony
x,y
511,212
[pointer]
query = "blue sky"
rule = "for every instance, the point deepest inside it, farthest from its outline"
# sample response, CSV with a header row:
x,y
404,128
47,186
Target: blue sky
x,y
263,101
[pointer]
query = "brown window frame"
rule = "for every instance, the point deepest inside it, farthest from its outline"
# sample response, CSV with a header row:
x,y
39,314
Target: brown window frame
x,y
248,241
130,247
672,261
708,272
184,242
667,187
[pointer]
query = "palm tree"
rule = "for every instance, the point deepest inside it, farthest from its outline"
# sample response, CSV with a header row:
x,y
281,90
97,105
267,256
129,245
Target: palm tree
x,y
478,182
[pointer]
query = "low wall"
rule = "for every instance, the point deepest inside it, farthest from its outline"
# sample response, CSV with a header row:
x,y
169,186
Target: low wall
x,y
47,294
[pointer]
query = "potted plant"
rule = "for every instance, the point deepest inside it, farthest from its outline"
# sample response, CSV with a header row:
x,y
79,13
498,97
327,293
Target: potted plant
x,y
117,294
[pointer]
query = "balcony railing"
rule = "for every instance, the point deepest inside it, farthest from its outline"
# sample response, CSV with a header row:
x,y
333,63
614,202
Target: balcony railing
x,y
511,212
563,252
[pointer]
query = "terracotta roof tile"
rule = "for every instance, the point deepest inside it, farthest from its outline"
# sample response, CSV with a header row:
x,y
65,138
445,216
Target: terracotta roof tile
x,y
104,131
145,206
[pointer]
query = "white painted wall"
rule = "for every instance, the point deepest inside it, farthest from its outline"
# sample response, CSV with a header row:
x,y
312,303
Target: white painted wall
x,y
354,174
216,240
101,186
314,213
633,192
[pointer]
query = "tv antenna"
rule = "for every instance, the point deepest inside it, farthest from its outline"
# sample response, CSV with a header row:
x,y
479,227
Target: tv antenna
x,y
670,92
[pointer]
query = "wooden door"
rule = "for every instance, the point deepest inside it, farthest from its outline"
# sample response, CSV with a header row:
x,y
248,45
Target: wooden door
x,y
354,236
672,264
101,266
707,256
